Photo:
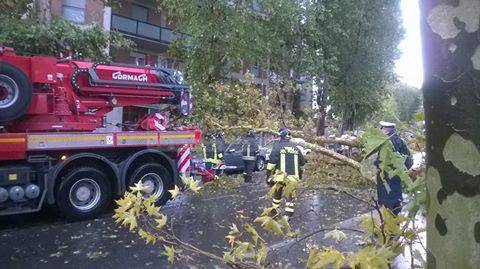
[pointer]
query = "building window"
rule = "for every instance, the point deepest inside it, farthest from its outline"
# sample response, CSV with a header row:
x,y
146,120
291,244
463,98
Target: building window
x,y
137,58
74,10
140,13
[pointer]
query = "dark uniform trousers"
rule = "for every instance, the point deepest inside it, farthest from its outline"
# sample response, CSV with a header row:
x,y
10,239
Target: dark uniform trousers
x,y
286,157
249,168
249,156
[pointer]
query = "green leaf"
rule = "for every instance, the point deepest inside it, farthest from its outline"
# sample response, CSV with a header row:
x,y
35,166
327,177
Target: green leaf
x,y
270,224
174,192
326,258
253,233
370,257
161,221
194,185
138,187
234,229
463,154
262,254
336,235
371,140
170,253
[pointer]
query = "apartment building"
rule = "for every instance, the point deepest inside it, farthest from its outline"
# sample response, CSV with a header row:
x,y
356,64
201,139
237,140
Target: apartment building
x,y
149,27
141,21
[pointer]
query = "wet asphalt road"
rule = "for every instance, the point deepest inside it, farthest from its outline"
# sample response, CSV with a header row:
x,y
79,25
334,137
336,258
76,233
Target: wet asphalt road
x,y
45,241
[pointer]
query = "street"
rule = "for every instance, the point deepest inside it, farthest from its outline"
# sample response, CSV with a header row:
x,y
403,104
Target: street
x,y
45,241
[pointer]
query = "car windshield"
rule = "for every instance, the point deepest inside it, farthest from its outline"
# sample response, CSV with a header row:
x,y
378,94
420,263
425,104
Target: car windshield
x,y
236,145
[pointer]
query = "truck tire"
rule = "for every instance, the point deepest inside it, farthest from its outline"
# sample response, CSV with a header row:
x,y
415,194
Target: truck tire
x,y
156,179
84,193
15,92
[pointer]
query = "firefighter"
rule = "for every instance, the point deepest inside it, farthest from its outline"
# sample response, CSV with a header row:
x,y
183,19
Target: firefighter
x,y
220,144
209,150
249,155
287,157
392,199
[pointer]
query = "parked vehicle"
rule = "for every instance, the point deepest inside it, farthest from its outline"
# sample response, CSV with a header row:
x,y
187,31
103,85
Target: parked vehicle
x,y
233,158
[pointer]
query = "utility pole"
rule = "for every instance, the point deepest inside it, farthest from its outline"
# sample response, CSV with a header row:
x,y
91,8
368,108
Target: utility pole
x,y
451,53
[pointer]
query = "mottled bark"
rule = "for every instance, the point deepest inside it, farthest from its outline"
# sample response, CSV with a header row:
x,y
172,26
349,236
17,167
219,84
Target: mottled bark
x,y
42,10
451,51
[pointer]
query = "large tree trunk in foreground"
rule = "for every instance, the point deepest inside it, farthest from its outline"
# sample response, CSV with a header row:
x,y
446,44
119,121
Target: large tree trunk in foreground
x,y
452,114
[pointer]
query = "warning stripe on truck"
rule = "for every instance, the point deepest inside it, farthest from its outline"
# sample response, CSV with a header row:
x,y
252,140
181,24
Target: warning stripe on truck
x,y
12,146
148,139
177,139
108,140
70,141
12,140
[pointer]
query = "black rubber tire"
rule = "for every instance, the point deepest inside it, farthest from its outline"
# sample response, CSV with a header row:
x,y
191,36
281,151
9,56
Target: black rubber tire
x,y
161,171
62,194
257,164
25,89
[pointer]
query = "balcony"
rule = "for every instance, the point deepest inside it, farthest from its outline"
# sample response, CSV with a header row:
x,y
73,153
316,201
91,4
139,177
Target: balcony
x,y
144,30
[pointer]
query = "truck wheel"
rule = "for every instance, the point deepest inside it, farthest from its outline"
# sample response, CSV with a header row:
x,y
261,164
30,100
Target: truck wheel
x,y
15,92
156,179
84,193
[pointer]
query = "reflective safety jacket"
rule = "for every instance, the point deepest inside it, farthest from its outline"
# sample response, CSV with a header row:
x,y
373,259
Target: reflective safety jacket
x,y
287,157
209,150
220,146
249,149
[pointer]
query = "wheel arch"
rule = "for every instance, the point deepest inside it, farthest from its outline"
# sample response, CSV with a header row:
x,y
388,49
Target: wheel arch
x,y
143,156
94,160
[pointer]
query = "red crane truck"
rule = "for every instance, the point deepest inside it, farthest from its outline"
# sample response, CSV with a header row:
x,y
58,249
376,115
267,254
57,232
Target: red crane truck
x,y
52,150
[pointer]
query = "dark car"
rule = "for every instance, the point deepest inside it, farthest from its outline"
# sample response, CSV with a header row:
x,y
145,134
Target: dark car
x,y
233,158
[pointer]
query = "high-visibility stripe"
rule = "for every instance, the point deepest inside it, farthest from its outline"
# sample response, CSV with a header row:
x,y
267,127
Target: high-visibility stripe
x,y
288,209
214,152
277,200
271,166
66,138
204,151
126,137
290,204
275,205
282,162
295,160
12,140
162,136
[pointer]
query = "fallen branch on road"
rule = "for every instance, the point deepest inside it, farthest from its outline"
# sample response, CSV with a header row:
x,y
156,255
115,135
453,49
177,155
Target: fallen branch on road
x,y
313,146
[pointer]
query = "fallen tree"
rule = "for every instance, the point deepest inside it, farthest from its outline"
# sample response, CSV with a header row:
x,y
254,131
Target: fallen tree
x,y
316,143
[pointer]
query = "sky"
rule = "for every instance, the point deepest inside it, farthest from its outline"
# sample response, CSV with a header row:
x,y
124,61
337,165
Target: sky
x,y
409,67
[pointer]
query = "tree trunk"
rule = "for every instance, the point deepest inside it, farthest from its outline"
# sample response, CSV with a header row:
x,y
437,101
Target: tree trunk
x,y
452,115
348,121
322,113
42,10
